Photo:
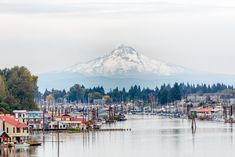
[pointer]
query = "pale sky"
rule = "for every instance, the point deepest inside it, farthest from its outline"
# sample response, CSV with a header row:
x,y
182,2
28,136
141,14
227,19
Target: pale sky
x,y
50,35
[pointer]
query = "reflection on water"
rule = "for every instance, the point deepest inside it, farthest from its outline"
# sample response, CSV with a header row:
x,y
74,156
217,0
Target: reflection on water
x,y
150,136
18,152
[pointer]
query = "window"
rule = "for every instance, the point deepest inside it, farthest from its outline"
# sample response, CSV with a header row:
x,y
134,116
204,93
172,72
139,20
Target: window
x,y
14,130
7,130
18,130
25,130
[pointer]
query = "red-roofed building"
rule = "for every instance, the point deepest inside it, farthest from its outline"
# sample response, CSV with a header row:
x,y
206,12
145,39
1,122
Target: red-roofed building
x,y
80,119
69,118
16,130
64,118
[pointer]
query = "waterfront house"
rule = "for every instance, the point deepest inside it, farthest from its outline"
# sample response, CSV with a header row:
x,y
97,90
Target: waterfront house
x,y
56,125
67,121
16,130
210,113
21,115
35,119
204,113
64,118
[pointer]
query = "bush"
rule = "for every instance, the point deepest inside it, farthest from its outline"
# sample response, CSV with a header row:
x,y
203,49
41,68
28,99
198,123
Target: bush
x,y
5,108
74,129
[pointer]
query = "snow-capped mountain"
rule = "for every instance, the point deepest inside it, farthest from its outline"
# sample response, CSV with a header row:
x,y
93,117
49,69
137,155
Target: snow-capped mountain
x,y
124,60
124,67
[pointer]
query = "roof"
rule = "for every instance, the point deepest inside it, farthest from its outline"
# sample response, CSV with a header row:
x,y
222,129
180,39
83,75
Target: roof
x,y
11,120
3,134
37,112
19,111
204,110
105,108
65,116
70,122
81,119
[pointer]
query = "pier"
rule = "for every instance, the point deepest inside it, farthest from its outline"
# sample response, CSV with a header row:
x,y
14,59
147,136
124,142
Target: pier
x,y
114,129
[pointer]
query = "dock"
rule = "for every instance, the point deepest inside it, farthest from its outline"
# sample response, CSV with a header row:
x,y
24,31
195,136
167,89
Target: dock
x,y
113,129
70,131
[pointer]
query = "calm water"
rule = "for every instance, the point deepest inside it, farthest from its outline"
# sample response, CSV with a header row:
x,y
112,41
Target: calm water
x,y
150,136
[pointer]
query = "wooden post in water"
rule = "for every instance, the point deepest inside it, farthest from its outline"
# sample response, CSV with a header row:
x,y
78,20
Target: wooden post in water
x,y
194,116
97,113
52,114
58,137
43,123
231,114
83,116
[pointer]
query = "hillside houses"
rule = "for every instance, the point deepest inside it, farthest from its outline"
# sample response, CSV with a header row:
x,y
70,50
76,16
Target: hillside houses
x,y
211,97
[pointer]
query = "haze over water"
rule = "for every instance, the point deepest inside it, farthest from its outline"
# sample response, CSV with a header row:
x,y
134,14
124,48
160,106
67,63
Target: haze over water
x,y
150,136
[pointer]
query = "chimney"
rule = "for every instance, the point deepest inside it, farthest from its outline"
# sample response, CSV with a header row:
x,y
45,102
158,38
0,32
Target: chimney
x,y
3,125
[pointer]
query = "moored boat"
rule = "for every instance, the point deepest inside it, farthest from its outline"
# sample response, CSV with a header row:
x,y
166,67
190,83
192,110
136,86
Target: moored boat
x,y
7,145
21,145
34,143
121,117
97,125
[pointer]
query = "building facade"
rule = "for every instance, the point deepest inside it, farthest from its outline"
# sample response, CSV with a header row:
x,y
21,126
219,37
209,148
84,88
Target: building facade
x,y
16,130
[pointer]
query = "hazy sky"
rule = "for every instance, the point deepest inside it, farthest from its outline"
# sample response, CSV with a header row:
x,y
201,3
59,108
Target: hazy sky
x,y
48,35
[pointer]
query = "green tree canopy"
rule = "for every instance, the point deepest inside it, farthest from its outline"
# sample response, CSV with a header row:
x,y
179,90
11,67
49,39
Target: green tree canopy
x,y
3,88
21,87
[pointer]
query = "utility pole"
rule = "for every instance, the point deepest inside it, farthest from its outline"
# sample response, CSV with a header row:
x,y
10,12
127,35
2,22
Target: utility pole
x,y
43,123
3,125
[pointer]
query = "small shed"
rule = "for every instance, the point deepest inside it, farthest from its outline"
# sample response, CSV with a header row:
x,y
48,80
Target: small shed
x,y
3,136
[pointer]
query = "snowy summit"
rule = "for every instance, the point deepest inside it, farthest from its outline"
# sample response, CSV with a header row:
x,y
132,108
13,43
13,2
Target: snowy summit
x,y
124,60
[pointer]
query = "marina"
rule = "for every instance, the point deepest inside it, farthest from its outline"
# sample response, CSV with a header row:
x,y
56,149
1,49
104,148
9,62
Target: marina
x,y
163,136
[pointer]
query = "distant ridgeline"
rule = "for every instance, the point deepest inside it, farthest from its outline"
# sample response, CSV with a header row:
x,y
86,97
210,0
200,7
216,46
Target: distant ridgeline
x,y
165,94
17,89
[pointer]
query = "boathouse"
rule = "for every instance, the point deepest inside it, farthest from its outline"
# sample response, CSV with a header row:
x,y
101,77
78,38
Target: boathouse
x,y
3,136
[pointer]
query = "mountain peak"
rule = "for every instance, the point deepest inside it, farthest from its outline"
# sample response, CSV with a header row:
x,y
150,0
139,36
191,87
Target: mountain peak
x,y
124,50
124,60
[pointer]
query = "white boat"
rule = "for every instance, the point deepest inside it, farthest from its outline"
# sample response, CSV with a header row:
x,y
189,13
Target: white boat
x,y
22,145
103,121
97,125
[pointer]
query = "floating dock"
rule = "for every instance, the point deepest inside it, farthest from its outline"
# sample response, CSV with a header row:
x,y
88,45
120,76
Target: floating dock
x,y
114,129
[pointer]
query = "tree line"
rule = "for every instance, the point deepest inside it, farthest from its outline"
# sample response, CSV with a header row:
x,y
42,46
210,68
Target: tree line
x,y
164,94
17,89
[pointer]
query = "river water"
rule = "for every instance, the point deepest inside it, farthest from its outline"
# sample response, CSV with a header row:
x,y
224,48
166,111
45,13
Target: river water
x,y
149,136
